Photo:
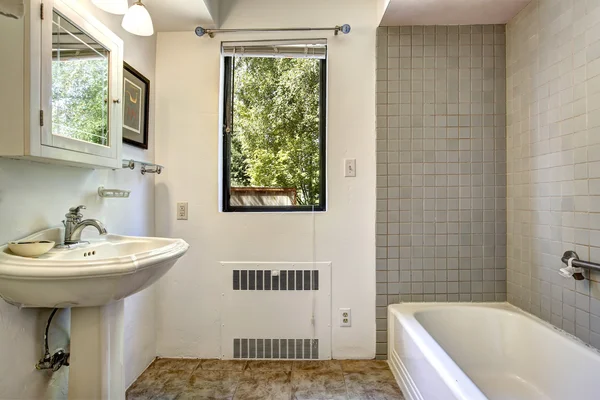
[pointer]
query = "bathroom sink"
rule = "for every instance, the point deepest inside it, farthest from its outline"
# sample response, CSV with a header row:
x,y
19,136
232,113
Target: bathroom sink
x,y
105,270
93,277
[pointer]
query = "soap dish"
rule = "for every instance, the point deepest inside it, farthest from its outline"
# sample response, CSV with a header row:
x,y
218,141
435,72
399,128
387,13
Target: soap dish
x,y
31,249
113,193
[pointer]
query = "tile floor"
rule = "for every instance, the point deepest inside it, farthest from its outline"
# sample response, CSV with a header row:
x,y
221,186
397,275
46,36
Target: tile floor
x,y
183,379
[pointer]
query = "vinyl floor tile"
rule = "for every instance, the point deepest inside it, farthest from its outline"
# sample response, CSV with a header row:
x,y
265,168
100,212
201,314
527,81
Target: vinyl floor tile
x,y
211,384
326,365
266,365
233,365
364,365
185,379
377,384
317,385
264,385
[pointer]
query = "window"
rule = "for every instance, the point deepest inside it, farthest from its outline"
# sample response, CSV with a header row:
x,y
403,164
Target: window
x,y
274,126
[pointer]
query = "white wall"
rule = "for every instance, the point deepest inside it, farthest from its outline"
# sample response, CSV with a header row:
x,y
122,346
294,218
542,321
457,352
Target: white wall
x,y
35,196
188,84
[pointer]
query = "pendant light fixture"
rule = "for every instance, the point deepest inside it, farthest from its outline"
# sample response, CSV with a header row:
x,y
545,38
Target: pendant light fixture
x,y
118,7
137,20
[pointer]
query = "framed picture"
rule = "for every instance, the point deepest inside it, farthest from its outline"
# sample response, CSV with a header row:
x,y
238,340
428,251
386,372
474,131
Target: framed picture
x,y
136,104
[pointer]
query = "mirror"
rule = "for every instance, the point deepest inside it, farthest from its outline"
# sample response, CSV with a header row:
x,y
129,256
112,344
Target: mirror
x,y
79,84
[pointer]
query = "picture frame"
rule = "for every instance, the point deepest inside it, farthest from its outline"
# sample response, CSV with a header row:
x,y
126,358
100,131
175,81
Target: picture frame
x,y
136,107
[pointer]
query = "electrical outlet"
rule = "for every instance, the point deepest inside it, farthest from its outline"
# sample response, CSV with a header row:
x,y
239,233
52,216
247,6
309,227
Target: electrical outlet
x,y
182,210
345,317
350,167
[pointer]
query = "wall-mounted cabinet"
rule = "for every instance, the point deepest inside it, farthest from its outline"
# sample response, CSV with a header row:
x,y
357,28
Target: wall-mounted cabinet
x,y
61,74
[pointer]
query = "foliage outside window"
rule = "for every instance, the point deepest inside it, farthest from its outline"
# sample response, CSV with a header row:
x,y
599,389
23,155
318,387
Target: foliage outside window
x,y
274,134
79,95
79,84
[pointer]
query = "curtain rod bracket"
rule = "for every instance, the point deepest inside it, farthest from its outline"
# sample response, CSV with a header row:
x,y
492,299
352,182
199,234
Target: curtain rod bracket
x,y
200,31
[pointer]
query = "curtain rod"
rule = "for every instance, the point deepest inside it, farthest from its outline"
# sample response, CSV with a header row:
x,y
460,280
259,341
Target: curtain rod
x,y
200,31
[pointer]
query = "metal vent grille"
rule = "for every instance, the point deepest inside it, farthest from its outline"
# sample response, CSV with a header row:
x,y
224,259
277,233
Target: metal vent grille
x,y
291,349
250,279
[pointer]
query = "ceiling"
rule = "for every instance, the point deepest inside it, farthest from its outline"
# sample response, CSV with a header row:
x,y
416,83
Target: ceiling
x,y
181,15
451,12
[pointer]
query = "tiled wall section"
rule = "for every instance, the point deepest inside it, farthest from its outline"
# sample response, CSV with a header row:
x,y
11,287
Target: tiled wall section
x,y
553,130
441,179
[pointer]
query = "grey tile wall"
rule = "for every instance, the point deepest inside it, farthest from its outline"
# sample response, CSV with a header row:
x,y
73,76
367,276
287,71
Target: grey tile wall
x,y
441,166
553,136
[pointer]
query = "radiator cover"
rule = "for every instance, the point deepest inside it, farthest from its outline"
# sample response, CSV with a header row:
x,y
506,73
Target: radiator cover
x,y
267,310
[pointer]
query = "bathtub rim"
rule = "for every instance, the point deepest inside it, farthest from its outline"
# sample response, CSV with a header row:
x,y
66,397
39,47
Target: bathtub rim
x,y
445,367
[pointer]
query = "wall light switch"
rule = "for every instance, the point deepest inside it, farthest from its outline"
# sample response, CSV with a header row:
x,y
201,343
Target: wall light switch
x,y
182,210
350,167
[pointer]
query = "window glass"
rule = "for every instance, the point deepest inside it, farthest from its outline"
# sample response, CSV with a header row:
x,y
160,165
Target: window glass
x,y
274,134
79,83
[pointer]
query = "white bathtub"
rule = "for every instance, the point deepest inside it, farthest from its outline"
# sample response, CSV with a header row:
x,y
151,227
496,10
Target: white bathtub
x,y
486,351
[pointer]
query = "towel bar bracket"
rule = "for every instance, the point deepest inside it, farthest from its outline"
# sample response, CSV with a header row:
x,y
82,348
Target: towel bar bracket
x,y
579,263
145,167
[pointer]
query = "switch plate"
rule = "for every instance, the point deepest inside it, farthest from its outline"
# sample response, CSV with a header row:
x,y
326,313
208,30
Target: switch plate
x,y
345,317
350,167
182,210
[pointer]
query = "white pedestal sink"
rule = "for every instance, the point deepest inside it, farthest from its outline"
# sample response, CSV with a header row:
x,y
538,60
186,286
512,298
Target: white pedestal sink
x,y
93,279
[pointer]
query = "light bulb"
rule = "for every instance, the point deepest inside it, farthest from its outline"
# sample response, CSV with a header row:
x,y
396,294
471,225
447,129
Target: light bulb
x,y
137,20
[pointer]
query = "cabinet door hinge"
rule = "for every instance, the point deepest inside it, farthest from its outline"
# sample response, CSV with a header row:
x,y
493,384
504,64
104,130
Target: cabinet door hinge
x,y
42,11
41,117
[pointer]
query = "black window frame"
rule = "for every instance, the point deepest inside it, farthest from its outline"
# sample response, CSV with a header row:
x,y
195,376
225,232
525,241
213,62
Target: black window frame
x,y
227,119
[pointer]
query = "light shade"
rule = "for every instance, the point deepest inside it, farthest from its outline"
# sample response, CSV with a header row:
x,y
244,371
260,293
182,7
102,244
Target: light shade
x,y
118,7
138,21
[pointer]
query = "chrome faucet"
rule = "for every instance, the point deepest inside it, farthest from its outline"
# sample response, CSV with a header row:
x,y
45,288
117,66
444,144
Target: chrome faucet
x,y
74,225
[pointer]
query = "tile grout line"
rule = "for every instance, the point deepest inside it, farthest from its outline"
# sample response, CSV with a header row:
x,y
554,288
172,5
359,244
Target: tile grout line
x,y
345,384
237,386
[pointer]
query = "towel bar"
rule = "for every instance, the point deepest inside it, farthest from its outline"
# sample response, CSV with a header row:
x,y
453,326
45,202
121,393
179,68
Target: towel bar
x,y
577,263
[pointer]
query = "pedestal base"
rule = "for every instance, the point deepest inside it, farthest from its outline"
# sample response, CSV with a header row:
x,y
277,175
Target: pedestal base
x,y
96,369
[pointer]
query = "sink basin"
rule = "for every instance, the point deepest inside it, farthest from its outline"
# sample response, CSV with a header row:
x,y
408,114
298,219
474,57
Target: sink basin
x,y
105,270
